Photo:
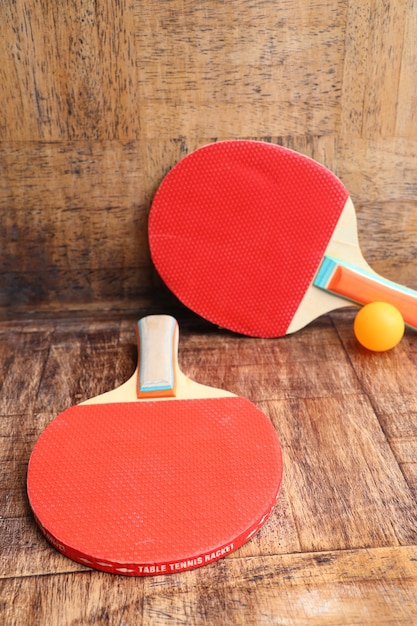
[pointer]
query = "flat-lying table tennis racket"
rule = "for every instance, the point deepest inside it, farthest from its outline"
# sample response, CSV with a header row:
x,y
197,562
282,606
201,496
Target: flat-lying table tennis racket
x,y
160,475
262,240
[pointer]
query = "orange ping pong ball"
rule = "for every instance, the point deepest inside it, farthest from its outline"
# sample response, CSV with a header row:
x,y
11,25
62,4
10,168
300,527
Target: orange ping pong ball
x,y
379,326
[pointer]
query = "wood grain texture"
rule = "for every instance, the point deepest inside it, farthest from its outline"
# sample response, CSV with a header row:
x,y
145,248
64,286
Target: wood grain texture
x,y
68,74
340,548
233,61
98,101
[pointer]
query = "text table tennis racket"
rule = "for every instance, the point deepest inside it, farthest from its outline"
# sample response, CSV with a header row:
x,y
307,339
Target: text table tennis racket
x,y
261,240
160,475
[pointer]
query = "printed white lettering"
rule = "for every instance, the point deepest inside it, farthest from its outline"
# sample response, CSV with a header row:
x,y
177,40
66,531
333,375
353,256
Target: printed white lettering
x,y
55,543
151,569
212,556
181,565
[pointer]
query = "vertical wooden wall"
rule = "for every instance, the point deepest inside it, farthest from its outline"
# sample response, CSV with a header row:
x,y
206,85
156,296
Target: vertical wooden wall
x,y
98,100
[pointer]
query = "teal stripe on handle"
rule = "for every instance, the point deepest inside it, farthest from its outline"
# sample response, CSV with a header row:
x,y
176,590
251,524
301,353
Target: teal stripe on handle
x,y
325,272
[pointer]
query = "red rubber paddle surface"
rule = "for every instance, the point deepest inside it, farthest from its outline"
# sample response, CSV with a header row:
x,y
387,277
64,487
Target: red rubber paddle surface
x,y
144,488
237,231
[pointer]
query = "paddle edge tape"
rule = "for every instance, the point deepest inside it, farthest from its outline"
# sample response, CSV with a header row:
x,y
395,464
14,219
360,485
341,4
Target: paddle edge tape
x,y
162,568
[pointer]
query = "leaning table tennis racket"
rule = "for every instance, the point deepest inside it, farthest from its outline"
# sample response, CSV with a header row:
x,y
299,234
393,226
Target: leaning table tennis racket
x,y
160,475
262,240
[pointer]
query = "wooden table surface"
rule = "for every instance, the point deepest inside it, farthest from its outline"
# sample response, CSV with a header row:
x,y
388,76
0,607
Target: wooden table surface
x,y
341,546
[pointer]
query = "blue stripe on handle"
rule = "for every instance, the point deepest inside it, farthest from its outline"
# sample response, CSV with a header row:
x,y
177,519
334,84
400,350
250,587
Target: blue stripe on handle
x,y
325,272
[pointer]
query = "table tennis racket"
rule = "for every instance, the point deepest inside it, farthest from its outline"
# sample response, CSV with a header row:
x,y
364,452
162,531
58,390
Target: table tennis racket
x,y
161,475
262,240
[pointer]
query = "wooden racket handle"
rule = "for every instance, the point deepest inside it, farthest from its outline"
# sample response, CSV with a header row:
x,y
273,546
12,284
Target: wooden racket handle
x,y
364,287
158,356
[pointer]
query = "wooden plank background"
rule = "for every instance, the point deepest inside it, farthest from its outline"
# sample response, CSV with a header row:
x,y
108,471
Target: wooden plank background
x,y
98,100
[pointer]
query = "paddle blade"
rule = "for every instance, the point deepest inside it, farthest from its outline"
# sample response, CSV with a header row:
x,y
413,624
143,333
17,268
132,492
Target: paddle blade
x,y
154,487
237,231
